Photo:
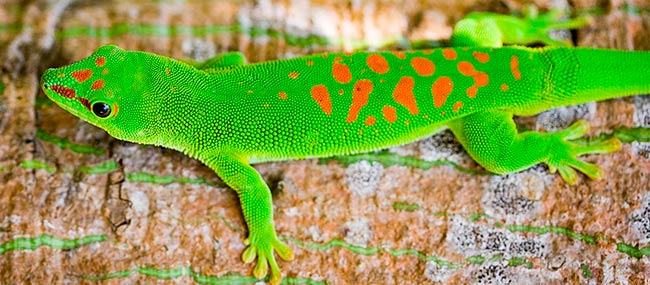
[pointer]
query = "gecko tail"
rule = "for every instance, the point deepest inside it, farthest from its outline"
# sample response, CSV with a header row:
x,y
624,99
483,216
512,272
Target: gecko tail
x,y
601,74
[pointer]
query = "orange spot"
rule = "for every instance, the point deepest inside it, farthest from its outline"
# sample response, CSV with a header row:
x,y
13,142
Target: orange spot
x,y
310,62
105,71
481,79
407,122
399,54
403,94
322,97
504,87
441,88
466,68
457,106
370,121
423,66
98,84
390,114
282,95
481,56
514,67
293,75
341,92
360,95
100,61
427,51
377,63
82,75
341,72
115,109
449,54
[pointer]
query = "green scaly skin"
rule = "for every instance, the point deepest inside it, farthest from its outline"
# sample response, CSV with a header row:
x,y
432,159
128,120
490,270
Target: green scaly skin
x,y
229,114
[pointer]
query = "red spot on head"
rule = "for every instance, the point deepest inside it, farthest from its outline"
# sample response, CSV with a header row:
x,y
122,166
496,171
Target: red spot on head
x,y
441,88
341,72
390,114
423,66
360,94
481,56
377,63
457,106
403,94
82,75
514,67
370,121
98,84
84,102
449,54
100,61
322,97
399,54
64,91
293,75
504,87
282,95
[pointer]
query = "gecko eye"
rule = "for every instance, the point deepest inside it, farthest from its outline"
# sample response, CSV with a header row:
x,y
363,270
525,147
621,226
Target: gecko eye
x,y
102,110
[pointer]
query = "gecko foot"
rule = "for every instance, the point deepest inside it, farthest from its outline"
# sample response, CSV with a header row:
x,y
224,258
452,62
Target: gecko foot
x,y
563,155
262,245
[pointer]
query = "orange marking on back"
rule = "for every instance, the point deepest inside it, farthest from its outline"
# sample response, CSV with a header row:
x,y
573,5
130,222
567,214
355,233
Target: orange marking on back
x,y
341,92
370,121
310,62
82,75
403,94
449,54
282,95
481,56
480,78
98,84
457,106
504,87
390,114
322,97
427,51
441,88
293,75
341,72
105,71
100,61
423,66
360,95
399,54
514,67
466,68
377,63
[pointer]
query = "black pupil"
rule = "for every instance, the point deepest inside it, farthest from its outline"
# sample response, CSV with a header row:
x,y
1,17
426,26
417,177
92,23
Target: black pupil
x,y
102,110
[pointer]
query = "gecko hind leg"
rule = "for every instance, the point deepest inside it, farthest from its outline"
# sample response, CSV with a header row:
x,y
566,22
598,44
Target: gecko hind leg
x,y
494,30
492,140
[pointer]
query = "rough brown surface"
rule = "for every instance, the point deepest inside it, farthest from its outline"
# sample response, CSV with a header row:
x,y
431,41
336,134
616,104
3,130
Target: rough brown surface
x,y
388,224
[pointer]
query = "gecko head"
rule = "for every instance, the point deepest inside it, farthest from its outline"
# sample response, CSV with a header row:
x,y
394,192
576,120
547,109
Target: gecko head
x,y
106,89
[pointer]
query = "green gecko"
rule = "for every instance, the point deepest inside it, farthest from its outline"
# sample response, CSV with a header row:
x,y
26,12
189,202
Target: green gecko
x,y
230,114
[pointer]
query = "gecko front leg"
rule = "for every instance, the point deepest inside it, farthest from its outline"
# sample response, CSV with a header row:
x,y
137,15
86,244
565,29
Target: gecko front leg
x,y
257,206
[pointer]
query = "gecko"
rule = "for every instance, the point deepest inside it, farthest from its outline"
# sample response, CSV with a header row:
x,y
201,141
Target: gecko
x,y
230,114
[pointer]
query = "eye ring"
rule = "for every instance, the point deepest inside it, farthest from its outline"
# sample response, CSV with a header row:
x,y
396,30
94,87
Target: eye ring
x,y
101,109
